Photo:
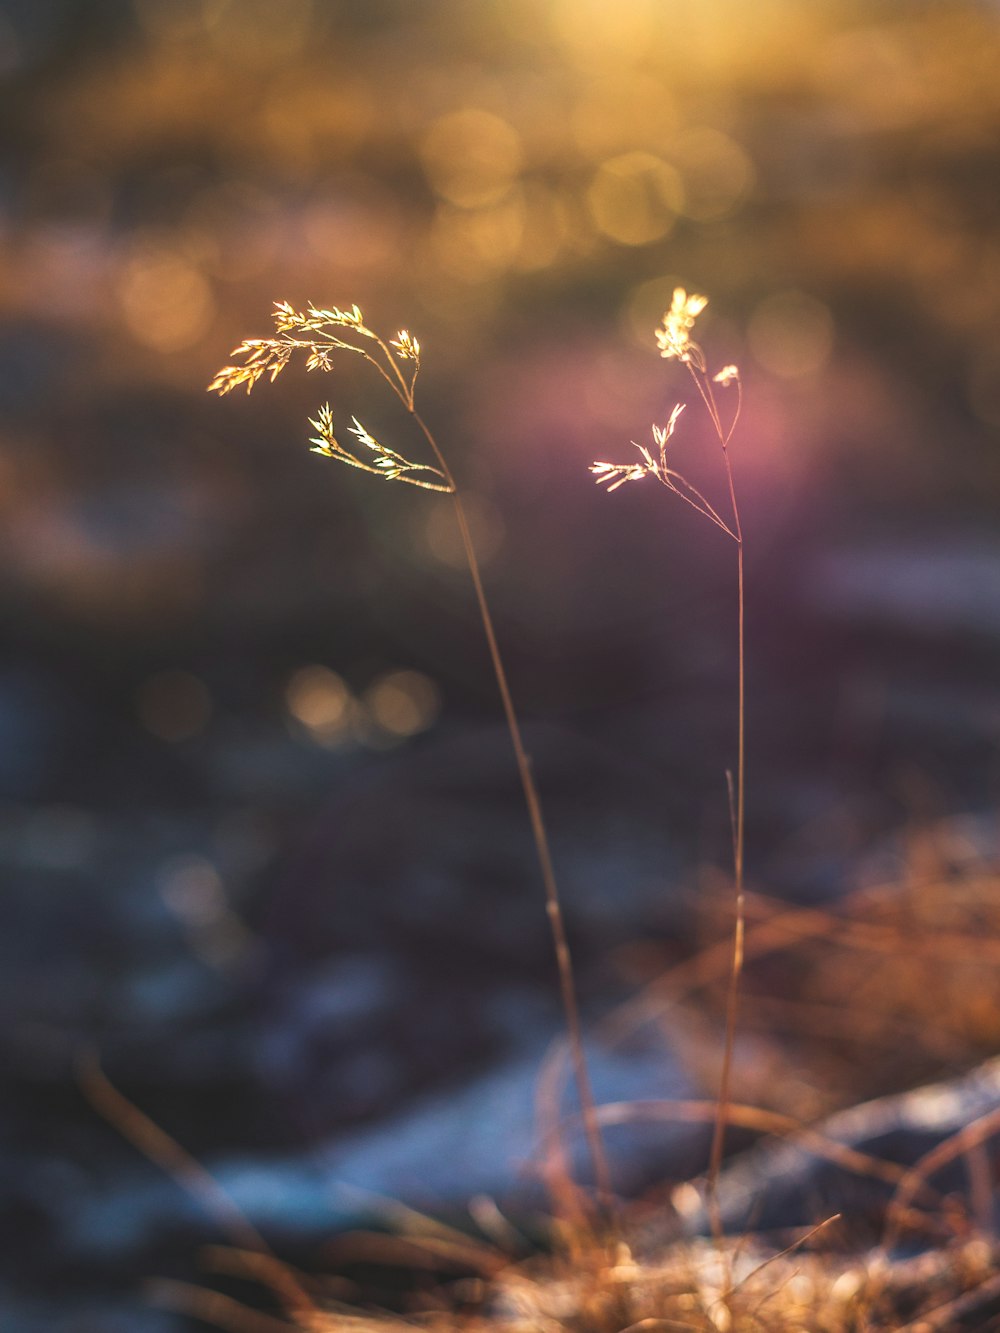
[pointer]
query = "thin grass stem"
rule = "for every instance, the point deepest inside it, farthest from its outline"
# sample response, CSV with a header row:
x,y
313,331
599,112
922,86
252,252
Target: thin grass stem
x,y
703,384
269,356
674,340
703,507
553,904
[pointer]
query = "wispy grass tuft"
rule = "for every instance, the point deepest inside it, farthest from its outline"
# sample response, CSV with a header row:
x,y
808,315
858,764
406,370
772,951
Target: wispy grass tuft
x,y
630,1276
320,335
673,337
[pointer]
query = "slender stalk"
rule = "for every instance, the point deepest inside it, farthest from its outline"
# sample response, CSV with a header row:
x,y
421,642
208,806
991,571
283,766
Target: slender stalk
x,y
736,967
673,338
269,356
673,482
553,904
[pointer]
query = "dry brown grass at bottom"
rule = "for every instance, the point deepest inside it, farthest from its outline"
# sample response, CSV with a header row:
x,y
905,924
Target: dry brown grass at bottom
x,y
746,1287
896,984
743,1287
629,1281
915,956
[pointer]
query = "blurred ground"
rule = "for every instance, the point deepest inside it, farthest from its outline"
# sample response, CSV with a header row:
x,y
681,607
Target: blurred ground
x,y
259,825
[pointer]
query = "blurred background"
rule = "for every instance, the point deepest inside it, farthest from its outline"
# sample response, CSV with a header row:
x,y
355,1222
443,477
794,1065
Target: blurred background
x,y
261,833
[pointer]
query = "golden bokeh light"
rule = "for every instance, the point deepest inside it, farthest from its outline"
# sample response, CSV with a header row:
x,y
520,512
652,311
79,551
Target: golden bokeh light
x,y
475,245
635,197
441,536
717,173
791,334
320,701
166,302
869,69
471,157
545,227
617,112
595,32
403,703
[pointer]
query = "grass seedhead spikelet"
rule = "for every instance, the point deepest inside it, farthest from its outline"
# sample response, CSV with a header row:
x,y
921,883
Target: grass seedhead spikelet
x,y
407,347
322,333
673,337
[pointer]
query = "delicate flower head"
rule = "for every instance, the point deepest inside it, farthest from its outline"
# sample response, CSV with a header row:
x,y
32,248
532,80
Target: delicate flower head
x,y
661,434
726,376
325,442
407,347
617,474
321,334
673,337
287,319
614,475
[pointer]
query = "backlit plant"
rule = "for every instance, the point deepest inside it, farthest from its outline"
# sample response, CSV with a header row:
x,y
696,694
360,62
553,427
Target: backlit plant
x,y
673,337
320,335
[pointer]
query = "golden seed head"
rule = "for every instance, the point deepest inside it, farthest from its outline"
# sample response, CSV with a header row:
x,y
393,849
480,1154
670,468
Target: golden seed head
x,y
407,347
673,337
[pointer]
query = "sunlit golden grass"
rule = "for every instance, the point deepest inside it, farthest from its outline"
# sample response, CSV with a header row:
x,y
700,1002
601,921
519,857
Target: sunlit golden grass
x,y
930,1005
645,1276
790,1291
674,340
321,334
939,917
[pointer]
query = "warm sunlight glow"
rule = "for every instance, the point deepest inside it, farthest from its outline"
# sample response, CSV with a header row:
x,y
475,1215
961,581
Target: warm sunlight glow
x,y
471,157
717,173
443,541
320,701
403,703
167,303
791,334
635,198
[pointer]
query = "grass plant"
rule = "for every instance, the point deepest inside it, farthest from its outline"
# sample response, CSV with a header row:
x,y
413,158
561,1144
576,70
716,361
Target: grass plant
x,y
625,1277
320,336
675,342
